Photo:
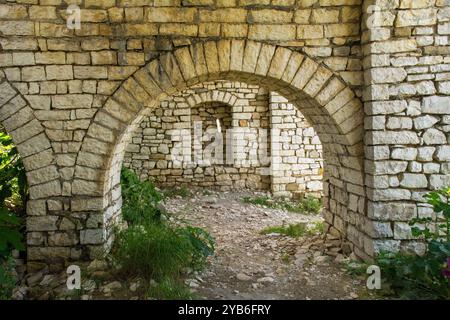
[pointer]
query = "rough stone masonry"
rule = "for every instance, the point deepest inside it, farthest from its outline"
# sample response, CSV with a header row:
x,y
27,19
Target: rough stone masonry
x,y
159,150
372,78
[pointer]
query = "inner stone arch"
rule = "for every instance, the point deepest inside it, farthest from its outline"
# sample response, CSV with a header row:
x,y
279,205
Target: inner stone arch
x,y
324,99
232,107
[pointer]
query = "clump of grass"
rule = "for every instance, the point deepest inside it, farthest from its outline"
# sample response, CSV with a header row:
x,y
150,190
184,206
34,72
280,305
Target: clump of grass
x,y
263,201
317,228
182,191
286,258
152,248
307,205
295,230
311,204
152,251
355,268
292,230
169,289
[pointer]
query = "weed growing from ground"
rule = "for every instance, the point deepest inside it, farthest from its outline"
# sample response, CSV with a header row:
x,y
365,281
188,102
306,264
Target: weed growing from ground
x,y
152,248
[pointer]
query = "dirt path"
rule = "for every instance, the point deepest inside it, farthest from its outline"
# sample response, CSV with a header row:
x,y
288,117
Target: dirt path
x,y
249,265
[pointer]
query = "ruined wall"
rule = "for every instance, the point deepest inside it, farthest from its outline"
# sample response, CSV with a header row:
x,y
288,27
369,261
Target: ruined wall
x,y
151,152
295,169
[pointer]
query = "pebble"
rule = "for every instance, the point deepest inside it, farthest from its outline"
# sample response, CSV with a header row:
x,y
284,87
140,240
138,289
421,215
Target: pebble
x,y
265,280
243,277
111,286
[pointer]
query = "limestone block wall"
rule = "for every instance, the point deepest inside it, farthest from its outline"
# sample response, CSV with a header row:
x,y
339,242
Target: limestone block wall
x,y
407,106
299,169
70,96
236,105
299,151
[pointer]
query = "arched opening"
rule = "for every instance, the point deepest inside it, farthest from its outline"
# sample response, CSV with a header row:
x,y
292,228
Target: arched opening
x,y
186,139
249,227
327,103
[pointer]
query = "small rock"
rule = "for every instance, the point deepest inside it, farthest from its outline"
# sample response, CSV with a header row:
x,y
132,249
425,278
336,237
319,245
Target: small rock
x,y
97,265
273,234
89,285
321,260
153,283
243,277
339,258
346,248
265,280
34,279
211,200
85,297
111,286
20,293
134,286
354,295
47,280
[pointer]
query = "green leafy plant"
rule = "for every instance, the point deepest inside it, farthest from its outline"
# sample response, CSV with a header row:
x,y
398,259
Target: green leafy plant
x,y
13,194
152,247
140,199
413,277
10,235
202,242
7,278
13,182
437,228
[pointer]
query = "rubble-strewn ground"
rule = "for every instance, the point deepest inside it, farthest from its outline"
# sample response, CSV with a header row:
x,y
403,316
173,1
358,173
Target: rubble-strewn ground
x,y
247,264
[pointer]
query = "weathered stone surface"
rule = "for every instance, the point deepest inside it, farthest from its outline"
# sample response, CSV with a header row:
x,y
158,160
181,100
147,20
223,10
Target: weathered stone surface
x,y
314,53
44,223
91,236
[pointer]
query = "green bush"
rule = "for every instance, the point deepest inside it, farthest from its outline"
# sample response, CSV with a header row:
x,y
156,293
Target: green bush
x,y
10,235
13,191
151,247
7,278
140,199
13,194
422,277
153,251
156,250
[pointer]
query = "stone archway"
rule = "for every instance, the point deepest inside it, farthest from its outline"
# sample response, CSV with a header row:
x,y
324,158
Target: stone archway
x,y
324,99
34,147
187,138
